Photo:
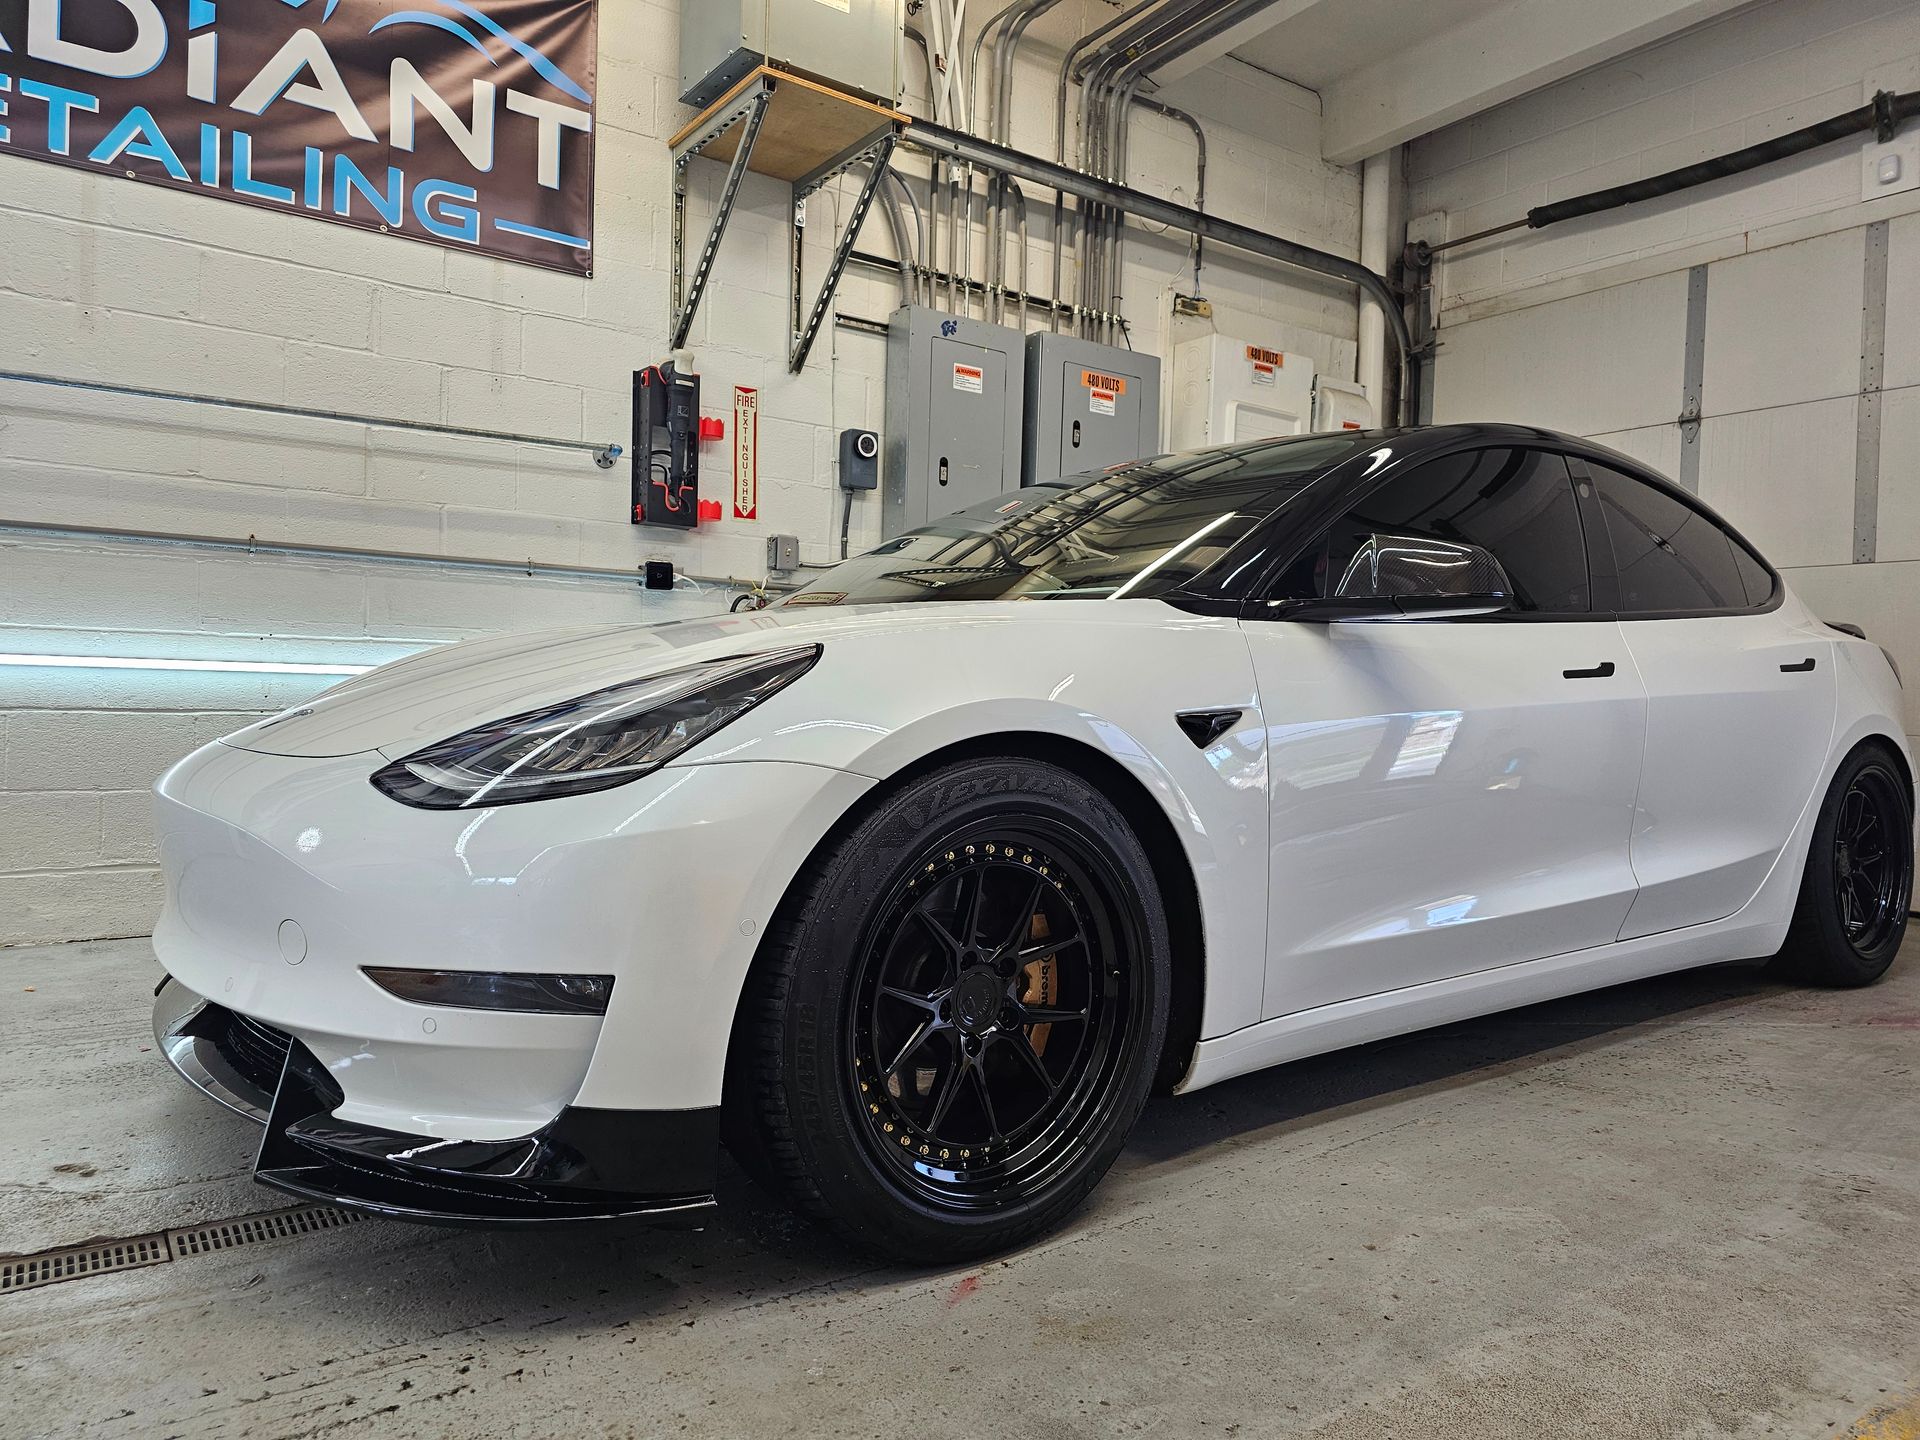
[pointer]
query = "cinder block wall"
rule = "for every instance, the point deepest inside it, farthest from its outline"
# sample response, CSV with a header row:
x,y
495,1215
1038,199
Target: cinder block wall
x,y
102,278
1583,326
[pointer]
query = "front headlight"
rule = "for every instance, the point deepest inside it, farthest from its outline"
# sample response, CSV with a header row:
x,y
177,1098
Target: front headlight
x,y
594,742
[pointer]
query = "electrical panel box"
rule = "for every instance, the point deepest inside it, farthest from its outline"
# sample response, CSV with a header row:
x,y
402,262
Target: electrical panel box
x,y
954,392
1089,406
1338,405
852,44
1226,391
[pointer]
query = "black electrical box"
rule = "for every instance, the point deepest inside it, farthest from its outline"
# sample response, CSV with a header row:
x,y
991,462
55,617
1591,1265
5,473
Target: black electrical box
x,y
666,447
859,460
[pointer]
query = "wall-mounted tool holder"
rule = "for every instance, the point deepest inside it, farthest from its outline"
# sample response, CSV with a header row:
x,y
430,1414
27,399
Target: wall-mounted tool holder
x,y
666,447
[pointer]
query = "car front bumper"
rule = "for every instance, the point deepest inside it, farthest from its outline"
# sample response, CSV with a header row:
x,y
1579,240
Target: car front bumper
x,y
584,1165
288,877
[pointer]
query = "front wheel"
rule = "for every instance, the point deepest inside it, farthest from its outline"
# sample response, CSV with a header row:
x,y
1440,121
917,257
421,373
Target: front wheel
x,y
1858,885
957,1020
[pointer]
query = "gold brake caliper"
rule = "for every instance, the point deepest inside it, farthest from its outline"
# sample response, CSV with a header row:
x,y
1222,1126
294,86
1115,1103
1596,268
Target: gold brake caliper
x,y
1043,983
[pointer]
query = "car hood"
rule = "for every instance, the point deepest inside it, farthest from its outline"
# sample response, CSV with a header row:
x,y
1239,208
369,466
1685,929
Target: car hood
x,y
438,693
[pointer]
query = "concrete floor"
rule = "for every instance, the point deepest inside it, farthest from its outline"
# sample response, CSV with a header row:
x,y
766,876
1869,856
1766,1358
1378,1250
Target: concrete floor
x,y
1687,1207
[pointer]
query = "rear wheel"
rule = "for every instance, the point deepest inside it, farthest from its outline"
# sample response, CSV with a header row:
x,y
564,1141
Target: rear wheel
x,y
957,1022
1854,896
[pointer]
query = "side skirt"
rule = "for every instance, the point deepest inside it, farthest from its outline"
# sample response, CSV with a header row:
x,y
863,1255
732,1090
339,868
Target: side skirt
x,y
1467,997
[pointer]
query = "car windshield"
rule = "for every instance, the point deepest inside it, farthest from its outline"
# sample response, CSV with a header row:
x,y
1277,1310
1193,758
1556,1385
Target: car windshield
x,y
1136,531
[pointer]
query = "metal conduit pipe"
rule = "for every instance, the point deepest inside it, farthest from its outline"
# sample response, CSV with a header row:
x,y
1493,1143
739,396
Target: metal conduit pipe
x,y
1001,121
940,140
1020,231
1181,117
897,223
1201,27
926,54
997,20
1068,65
1000,128
1104,96
915,262
955,292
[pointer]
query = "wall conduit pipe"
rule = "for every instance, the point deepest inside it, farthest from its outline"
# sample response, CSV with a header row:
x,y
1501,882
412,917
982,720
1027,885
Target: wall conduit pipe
x,y
939,140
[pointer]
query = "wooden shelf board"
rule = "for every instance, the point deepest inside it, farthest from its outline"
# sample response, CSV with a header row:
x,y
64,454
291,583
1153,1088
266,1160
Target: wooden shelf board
x,y
807,124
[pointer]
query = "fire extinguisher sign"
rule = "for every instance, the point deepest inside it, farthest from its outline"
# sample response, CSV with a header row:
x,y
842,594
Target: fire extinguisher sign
x,y
746,453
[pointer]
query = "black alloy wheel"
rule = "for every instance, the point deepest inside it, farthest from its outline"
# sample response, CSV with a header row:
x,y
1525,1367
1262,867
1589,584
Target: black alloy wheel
x,y
990,1007
956,1021
1858,883
1872,866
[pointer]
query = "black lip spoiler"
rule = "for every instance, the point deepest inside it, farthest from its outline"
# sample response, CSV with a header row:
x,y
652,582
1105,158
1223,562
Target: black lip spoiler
x,y
587,1165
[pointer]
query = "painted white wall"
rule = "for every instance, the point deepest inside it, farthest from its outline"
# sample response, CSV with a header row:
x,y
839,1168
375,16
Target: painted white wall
x,y
1582,326
105,279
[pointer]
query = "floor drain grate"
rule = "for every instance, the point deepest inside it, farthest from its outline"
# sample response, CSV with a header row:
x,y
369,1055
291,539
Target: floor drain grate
x,y
28,1272
49,1267
252,1229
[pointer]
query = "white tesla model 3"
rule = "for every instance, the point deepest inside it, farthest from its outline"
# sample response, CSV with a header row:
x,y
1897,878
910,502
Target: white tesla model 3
x,y
912,888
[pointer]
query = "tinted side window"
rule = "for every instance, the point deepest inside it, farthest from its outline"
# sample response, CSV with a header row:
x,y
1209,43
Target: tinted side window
x,y
1516,503
1671,557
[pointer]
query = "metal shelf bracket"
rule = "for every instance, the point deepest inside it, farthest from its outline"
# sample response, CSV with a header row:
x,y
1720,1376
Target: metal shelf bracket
x,y
812,135
687,295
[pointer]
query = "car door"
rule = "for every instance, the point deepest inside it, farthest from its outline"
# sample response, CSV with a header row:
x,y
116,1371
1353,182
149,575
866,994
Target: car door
x,y
1740,699
1448,795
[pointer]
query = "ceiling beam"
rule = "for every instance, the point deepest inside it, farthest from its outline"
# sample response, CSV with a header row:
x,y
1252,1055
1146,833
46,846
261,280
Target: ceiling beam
x,y
1260,22
1501,53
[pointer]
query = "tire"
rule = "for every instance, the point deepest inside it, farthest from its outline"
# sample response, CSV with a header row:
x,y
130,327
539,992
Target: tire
x,y
1852,913
893,1077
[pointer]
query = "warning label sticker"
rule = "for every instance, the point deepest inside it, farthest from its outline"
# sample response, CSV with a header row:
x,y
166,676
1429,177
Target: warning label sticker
x,y
1102,401
1263,373
1112,384
970,378
1260,356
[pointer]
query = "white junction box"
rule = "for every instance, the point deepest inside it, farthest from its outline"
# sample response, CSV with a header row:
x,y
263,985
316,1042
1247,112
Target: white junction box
x,y
1338,405
1227,390
851,44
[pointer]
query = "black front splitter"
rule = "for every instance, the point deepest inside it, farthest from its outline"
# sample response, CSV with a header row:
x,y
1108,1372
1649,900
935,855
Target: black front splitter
x,y
586,1166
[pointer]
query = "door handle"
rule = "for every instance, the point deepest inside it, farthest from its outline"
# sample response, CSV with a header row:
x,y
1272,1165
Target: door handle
x,y
1598,672
1799,669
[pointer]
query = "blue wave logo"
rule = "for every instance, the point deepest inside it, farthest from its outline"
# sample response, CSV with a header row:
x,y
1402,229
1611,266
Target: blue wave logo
x,y
542,66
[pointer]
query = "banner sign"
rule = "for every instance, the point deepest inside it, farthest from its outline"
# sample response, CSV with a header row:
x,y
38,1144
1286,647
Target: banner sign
x,y
466,123
746,453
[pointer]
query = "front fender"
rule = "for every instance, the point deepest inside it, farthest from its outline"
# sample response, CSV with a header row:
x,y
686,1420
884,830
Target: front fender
x,y
1112,678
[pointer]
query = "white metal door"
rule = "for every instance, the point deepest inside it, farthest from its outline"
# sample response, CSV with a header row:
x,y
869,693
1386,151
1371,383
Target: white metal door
x,y
1447,798
1740,714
